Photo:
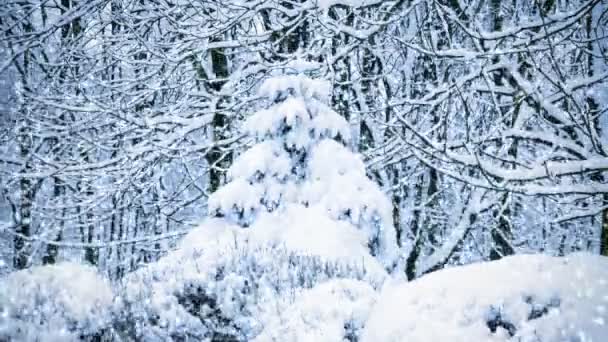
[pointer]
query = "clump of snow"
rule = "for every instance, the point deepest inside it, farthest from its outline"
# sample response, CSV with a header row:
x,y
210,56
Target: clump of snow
x,y
532,298
56,302
338,184
238,201
310,231
342,161
264,159
332,311
301,66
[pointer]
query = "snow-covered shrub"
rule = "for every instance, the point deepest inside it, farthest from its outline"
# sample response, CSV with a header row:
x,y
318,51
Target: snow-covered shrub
x,y
524,298
300,158
224,282
60,302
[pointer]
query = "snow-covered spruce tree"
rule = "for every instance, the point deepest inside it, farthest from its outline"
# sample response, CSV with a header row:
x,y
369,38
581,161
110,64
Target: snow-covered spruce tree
x,y
300,166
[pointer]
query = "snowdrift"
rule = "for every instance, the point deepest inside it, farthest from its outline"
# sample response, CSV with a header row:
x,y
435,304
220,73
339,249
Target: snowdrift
x,y
528,298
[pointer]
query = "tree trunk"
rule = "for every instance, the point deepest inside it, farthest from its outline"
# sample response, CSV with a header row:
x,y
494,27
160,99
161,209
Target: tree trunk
x,y
604,233
218,162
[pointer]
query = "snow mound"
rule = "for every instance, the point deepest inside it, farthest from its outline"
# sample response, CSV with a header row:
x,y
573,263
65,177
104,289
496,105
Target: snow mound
x,y
332,311
528,298
54,303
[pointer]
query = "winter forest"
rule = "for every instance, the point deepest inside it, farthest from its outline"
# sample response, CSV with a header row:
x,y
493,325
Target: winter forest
x,y
304,170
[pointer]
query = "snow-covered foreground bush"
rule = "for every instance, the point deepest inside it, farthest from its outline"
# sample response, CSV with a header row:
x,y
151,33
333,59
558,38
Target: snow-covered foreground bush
x,y
527,298
62,302
225,282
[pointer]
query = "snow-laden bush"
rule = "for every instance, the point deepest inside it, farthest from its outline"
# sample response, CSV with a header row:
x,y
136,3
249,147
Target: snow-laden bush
x,y
524,298
224,282
60,302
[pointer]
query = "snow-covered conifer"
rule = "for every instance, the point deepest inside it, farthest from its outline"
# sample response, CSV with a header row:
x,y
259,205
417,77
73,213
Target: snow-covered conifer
x,y
300,160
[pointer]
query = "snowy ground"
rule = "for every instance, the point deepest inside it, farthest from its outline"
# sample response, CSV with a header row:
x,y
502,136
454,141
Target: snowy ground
x,y
272,294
